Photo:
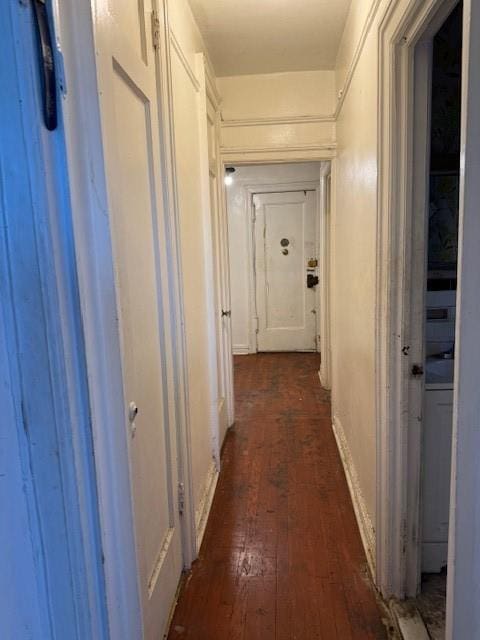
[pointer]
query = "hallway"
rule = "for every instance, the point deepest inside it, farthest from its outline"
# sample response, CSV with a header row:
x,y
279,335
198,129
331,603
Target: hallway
x,y
282,556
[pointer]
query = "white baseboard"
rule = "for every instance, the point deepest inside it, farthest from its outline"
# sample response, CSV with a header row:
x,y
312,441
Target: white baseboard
x,y
367,531
241,349
408,620
203,509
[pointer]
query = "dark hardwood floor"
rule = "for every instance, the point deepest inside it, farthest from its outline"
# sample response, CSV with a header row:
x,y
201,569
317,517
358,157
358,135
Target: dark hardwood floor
x,y
282,557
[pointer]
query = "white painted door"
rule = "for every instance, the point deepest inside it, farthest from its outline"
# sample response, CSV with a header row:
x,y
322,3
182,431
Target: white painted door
x,y
285,255
221,276
129,110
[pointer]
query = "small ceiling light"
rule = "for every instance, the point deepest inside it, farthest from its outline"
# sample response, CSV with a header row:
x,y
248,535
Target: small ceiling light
x,y
229,171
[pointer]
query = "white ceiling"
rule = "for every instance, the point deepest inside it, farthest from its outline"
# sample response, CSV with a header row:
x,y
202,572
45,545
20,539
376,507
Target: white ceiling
x,y
268,36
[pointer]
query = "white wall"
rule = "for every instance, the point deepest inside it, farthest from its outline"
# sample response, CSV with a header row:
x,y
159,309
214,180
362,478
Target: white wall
x,y
354,245
279,111
301,93
238,232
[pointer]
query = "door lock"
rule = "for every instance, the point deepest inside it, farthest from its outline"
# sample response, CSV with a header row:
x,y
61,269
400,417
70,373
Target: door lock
x,y
312,280
417,370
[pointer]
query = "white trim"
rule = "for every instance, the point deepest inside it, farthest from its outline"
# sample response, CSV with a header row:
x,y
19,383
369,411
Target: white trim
x,y
280,187
220,249
180,347
203,510
176,46
241,349
210,275
97,295
211,84
321,146
252,189
325,273
278,155
276,120
409,621
342,94
398,459
97,298
367,531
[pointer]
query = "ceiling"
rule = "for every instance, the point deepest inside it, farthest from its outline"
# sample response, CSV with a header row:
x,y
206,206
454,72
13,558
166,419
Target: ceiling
x,y
269,36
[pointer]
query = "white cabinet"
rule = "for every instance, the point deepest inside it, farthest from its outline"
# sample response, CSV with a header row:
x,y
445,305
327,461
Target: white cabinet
x,y
437,453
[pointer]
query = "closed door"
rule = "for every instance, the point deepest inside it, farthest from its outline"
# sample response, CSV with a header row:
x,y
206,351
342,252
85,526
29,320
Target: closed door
x,y
286,272
221,277
129,105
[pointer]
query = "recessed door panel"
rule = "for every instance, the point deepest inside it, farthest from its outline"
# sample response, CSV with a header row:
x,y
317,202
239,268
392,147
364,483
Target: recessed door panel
x,y
138,302
131,137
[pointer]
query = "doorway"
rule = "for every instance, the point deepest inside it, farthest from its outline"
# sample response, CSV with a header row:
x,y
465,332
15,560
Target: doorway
x,y
438,283
275,237
417,329
285,270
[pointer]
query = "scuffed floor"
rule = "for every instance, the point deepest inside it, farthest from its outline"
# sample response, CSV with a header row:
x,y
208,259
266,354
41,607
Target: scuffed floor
x,y
432,603
282,557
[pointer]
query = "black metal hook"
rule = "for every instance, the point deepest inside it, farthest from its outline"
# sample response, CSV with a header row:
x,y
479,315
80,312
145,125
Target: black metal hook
x,y
46,64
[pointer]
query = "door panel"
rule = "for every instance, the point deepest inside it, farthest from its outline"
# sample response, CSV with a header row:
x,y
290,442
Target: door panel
x,y
130,18
222,296
127,82
285,232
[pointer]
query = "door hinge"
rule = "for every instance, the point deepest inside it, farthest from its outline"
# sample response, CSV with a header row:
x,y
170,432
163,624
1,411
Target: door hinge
x,y
155,30
181,498
257,325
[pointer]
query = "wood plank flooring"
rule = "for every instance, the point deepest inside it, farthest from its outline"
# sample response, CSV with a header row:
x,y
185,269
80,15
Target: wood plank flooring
x,y
282,557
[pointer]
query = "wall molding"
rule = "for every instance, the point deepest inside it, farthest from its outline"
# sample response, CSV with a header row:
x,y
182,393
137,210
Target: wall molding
x,y
367,530
342,94
176,46
241,349
276,120
277,153
211,84
203,510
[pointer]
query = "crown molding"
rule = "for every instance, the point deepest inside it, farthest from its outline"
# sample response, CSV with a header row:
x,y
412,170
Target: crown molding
x,y
342,94
176,46
277,120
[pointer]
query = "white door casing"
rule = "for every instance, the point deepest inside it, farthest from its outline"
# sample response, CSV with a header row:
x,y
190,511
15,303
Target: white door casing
x,y
131,137
219,229
285,243
404,25
325,258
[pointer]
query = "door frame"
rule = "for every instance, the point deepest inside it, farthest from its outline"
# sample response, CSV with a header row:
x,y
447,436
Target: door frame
x,y
406,25
252,190
219,241
44,341
94,260
325,259
285,156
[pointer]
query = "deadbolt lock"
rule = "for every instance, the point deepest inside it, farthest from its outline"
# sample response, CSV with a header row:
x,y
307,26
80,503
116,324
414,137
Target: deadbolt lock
x,y
417,370
312,280
312,264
